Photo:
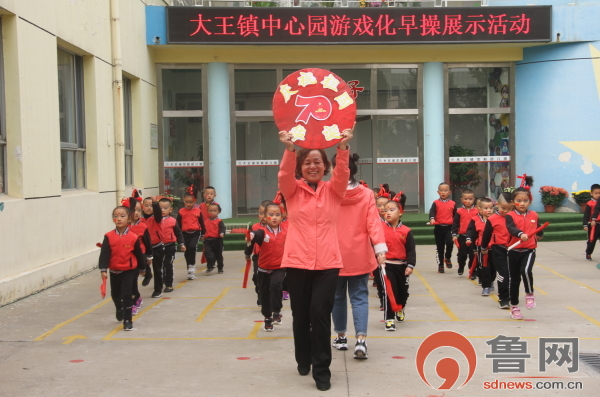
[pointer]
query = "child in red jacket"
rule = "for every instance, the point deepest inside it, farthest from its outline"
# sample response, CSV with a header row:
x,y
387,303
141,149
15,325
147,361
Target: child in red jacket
x,y
462,218
401,258
213,231
171,234
120,254
262,222
188,220
141,229
441,215
485,264
589,221
521,223
271,239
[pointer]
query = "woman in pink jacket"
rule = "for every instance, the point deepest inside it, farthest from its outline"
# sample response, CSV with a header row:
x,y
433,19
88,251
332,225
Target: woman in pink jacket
x,y
311,255
361,238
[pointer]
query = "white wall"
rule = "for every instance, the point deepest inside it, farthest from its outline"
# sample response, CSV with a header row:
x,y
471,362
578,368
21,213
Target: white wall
x,y
48,234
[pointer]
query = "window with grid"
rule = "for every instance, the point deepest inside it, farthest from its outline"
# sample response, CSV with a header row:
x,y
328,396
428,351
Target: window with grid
x,y
3,181
72,121
128,131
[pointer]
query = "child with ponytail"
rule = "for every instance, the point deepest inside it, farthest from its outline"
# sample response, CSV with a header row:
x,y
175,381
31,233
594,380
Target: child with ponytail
x,y
189,220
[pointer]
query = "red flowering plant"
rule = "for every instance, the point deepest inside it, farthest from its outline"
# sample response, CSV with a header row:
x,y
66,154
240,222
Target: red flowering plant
x,y
552,195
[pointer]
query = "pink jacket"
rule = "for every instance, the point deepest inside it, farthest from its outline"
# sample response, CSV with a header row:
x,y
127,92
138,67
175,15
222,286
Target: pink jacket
x,y
360,232
312,242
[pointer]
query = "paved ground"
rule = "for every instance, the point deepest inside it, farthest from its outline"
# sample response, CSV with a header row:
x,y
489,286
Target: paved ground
x,y
205,338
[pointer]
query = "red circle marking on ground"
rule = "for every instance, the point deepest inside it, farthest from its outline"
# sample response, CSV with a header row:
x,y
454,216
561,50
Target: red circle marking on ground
x,y
243,358
398,357
76,361
166,298
529,319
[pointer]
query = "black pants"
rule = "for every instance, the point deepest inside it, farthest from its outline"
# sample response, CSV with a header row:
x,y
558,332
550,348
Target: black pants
x,y
592,244
443,243
378,281
213,250
190,239
158,254
168,260
399,281
464,252
255,274
270,287
487,270
312,293
500,256
135,292
120,291
520,266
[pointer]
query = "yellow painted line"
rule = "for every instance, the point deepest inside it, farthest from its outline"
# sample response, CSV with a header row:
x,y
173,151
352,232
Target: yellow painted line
x,y
290,337
582,314
192,297
539,291
181,284
59,326
69,339
120,326
255,329
435,296
567,278
211,304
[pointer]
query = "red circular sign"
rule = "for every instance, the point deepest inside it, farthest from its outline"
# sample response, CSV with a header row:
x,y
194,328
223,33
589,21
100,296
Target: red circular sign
x,y
315,105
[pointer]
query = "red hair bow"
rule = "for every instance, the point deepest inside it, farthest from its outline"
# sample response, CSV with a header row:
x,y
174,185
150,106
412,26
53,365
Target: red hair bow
x,y
127,202
397,198
136,194
382,192
278,198
191,190
363,183
523,179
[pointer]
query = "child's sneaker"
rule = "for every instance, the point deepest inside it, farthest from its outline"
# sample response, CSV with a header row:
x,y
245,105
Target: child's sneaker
x,y
157,294
209,269
119,314
360,350
504,304
147,279
448,263
277,318
268,325
529,301
400,315
515,313
138,303
169,288
128,326
381,307
134,310
340,343
441,269
191,272
389,325
220,271
286,295
461,270
588,257
258,302
485,292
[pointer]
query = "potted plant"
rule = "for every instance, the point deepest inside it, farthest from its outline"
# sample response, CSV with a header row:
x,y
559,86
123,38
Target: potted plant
x,y
552,196
582,197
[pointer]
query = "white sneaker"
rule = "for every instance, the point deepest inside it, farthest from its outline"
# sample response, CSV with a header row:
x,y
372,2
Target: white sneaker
x,y
360,350
191,272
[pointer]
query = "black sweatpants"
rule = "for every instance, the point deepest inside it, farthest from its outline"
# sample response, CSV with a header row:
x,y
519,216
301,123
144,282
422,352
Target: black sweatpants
x,y
592,244
270,287
520,267
213,250
378,282
500,256
312,293
443,243
168,260
120,291
399,281
487,270
158,254
190,239
464,252
135,292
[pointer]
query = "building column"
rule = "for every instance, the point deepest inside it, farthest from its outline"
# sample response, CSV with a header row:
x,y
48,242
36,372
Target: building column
x,y
433,129
219,129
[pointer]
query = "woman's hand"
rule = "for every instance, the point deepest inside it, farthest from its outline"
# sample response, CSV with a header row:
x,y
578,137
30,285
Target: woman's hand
x,y
347,134
286,138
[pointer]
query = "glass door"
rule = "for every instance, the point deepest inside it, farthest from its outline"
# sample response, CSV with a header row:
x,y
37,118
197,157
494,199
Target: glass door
x,y
396,141
258,153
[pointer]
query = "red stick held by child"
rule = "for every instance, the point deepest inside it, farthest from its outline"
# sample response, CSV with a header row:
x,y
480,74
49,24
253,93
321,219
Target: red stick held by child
x,y
248,263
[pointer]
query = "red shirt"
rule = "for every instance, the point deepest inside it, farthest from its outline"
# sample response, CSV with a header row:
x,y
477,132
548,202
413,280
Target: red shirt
x,y
271,249
139,229
255,227
212,228
189,219
122,256
464,218
443,211
518,224
496,231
